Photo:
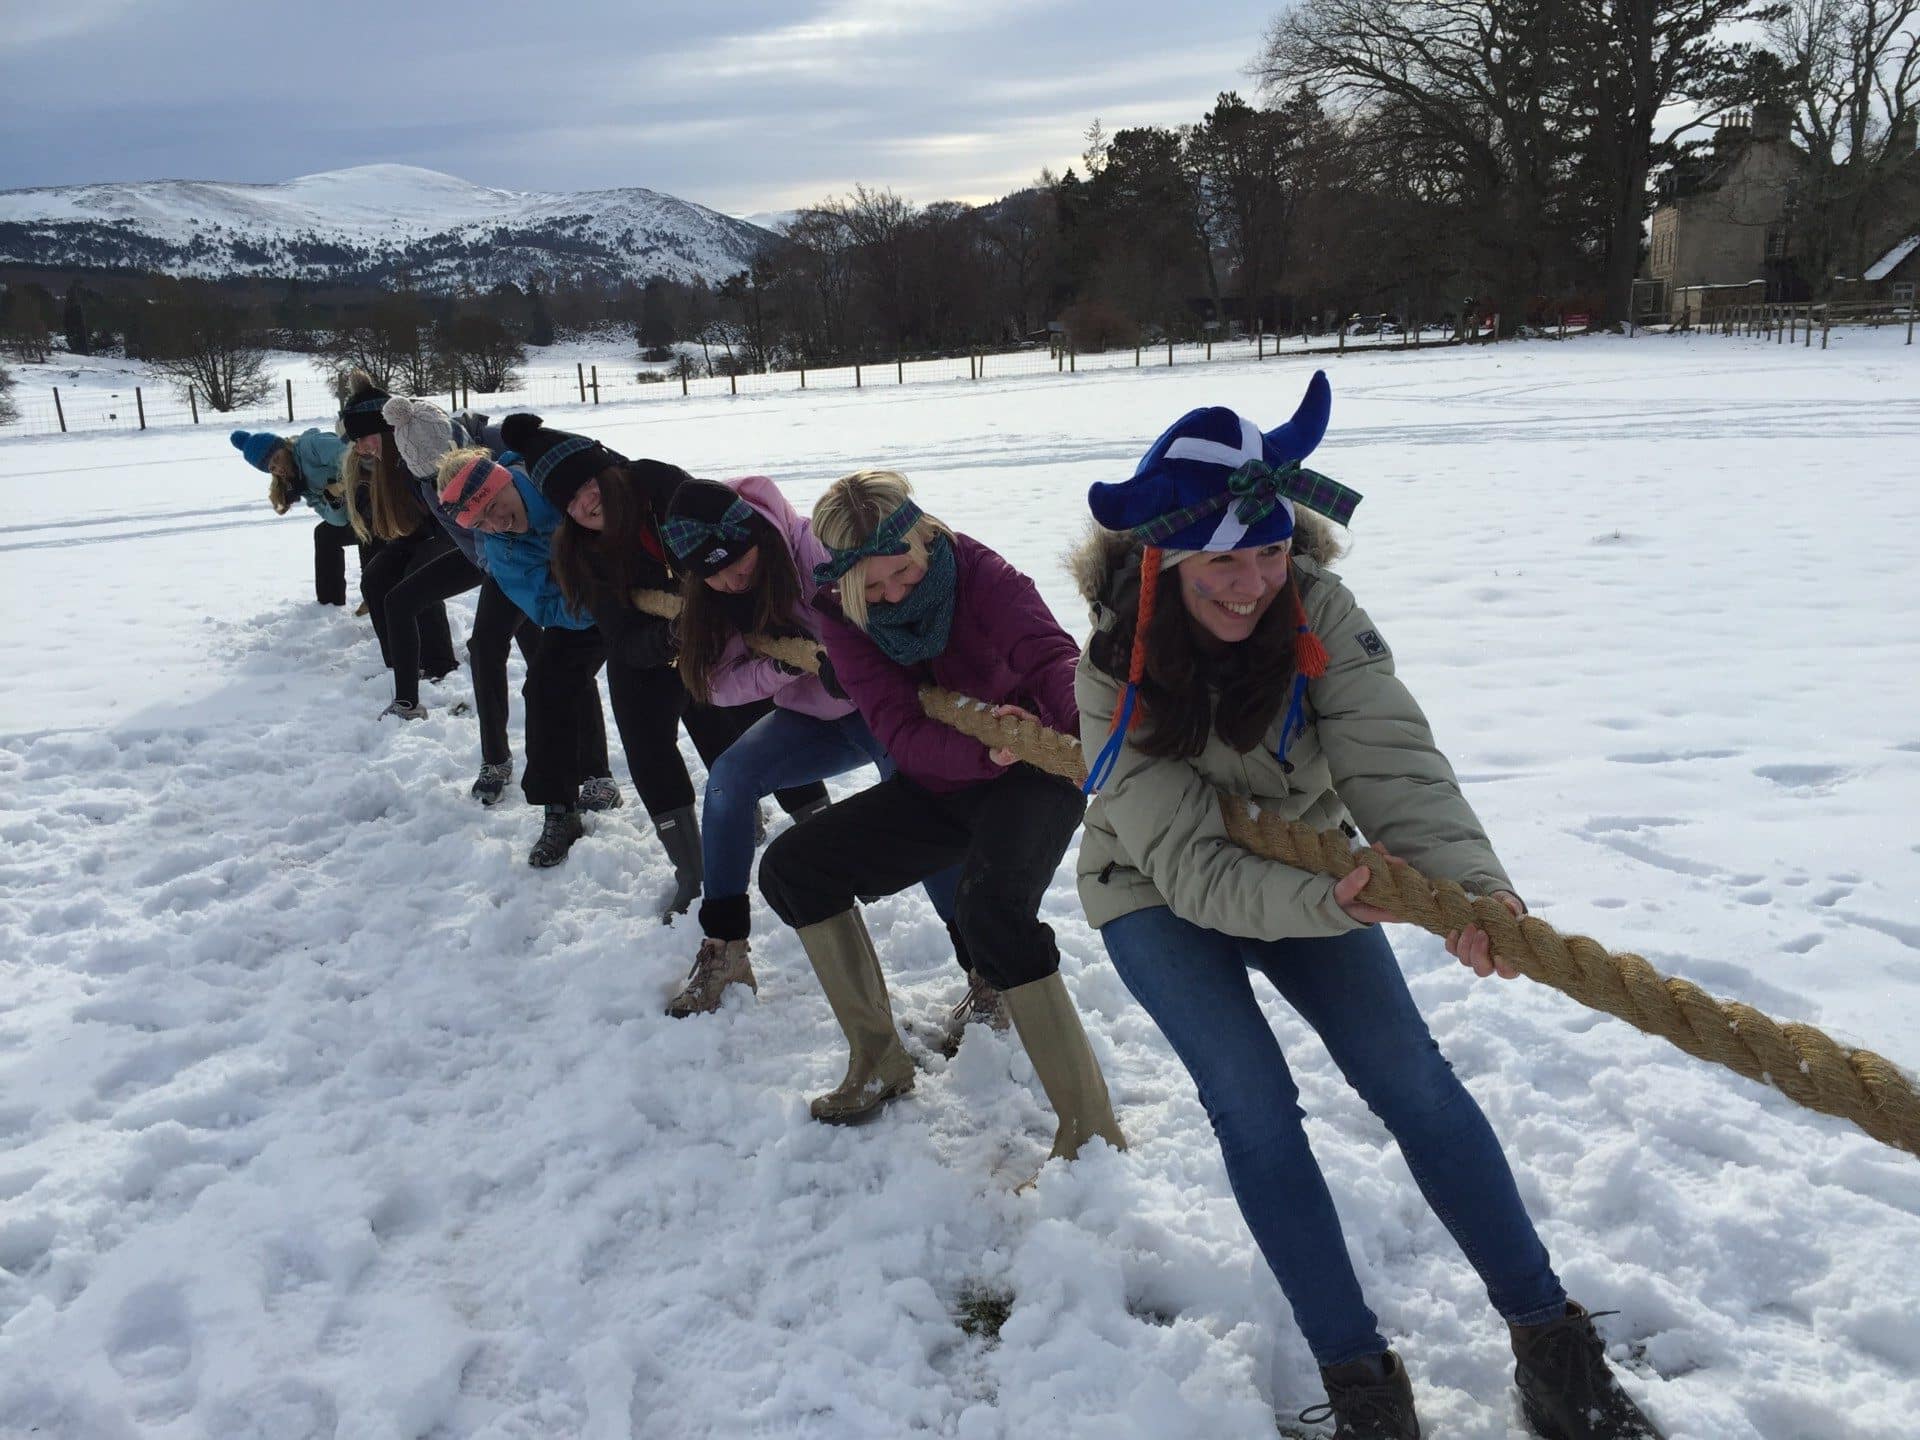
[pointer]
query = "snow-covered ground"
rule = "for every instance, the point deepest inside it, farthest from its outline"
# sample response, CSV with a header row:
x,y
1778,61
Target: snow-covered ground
x,y
321,1114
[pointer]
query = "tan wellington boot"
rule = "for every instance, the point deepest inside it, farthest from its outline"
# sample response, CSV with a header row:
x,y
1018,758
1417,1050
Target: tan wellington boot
x,y
1050,1028
878,1066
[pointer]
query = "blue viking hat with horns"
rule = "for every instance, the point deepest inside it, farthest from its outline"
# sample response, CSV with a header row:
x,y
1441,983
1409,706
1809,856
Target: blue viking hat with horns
x,y
1214,481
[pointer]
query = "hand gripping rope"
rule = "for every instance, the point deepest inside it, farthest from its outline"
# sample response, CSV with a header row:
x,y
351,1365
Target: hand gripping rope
x,y
1803,1063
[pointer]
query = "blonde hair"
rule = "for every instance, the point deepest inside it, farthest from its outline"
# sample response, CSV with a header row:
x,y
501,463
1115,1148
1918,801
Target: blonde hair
x,y
397,511
279,493
848,514
453,460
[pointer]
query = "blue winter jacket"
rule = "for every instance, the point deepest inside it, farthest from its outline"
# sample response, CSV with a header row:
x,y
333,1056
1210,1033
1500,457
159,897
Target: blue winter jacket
x,y
316,454
518,563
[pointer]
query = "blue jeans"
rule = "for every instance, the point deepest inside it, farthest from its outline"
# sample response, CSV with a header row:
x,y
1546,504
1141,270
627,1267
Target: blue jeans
x,y
781,749
1194,982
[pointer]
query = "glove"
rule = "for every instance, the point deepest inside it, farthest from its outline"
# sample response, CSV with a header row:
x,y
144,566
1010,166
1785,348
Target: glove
x,y
829,681
784,668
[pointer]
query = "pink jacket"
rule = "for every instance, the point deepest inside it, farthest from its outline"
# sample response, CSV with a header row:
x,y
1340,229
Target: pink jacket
x,y
741,677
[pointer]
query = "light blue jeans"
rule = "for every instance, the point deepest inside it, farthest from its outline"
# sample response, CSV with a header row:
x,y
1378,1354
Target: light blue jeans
x,y
1195,983
781,749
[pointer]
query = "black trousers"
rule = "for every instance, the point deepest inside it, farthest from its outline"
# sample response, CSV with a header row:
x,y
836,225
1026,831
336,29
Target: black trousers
x,y
418,637
428,640
497,626
649,707
330,544
566,732
1007,835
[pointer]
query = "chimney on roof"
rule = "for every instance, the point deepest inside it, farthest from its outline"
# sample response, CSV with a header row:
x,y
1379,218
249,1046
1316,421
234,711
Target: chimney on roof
x,y
1733,132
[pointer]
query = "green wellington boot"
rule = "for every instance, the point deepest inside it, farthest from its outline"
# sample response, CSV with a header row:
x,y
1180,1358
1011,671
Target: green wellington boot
x,y
1049,1027
878,1066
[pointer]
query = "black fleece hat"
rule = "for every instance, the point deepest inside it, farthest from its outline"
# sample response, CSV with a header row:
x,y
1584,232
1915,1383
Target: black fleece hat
x,y
558,462
360,413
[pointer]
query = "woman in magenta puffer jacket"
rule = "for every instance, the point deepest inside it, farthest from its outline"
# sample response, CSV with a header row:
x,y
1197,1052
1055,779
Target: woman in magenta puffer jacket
x,y
915,605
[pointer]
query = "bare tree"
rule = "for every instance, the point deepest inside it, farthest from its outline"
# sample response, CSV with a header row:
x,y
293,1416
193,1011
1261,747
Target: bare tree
x,y
8,411
1853,81
202,343
482,352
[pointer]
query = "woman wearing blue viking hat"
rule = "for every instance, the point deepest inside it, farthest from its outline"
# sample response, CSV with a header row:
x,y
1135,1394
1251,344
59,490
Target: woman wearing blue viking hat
x,y
1227,658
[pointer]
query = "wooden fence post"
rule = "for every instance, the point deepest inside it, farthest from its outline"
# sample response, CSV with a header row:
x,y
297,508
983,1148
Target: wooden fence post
x,y
453,395
141,406
1136,357
580,377
192,406
1910,322
466,396
1073,362
1343,339
733,383
1826,324
1169,354
596,384
289,399
1209,347
58,411
856,374
899,370
1260,342
1059,359
1807,344
803,374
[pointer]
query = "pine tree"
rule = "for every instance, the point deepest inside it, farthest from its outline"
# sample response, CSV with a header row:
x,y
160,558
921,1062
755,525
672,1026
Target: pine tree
x,y
540,321
74,321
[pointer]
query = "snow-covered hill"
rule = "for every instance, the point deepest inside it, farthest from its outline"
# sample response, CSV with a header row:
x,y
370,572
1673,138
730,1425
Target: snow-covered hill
x,y
368,223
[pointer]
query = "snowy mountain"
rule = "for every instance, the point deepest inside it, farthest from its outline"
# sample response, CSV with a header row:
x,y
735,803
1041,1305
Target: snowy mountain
x,y
367,224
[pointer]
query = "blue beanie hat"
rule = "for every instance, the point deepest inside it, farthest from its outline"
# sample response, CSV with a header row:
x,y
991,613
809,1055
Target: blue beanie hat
x,y
258,446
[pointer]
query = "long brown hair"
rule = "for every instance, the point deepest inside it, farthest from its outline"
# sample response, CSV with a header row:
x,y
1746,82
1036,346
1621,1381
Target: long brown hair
x,y
709,618
595,569
396,508
1190,689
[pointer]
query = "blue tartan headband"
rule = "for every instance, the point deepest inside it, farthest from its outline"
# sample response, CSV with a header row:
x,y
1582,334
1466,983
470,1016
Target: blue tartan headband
x,y
687,536
889,538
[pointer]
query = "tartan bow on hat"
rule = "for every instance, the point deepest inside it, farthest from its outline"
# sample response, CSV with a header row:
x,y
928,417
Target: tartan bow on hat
x,y
1255,490
686,535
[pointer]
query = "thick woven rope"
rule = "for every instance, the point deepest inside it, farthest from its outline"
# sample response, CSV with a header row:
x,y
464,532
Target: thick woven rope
x,y
1803,1063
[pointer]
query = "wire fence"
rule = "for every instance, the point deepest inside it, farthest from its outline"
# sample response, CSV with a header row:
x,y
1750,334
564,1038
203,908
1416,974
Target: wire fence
x,y
617,381
1794,324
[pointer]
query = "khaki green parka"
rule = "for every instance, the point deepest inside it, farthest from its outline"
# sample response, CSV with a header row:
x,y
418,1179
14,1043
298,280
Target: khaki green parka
x,y
1367,759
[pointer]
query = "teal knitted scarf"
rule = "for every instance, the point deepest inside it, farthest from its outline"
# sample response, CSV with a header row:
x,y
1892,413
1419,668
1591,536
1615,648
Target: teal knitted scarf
x,y
914,630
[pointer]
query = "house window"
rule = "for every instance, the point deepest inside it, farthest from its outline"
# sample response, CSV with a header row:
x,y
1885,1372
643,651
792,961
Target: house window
x,y
1903,292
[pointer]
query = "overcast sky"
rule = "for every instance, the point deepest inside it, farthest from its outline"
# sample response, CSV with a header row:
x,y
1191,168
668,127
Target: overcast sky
x,y
744,105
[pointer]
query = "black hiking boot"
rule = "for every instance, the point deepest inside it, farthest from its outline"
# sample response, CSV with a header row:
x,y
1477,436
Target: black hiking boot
x,y
492,783
1367,1399
561,828
600,792
1566,1390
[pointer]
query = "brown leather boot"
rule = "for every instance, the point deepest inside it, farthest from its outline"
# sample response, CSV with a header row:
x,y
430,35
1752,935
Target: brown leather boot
x,y
1566,1390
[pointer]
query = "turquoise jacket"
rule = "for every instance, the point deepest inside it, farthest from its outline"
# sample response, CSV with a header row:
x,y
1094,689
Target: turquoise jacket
x,y
317,455
519,563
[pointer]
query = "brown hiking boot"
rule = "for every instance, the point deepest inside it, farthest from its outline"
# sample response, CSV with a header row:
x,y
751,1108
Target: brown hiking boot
x,y
1566,1390
719,964
983,1004
1367,1399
